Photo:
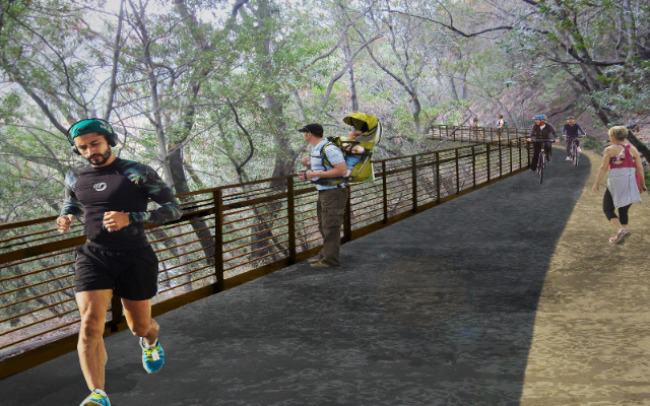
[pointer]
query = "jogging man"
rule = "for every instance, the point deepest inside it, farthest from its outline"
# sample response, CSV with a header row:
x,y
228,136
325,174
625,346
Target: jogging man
x,y
327,172
541,134
116,259
571,132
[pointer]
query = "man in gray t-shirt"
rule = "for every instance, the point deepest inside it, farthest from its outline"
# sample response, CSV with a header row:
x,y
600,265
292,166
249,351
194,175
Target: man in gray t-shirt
x,y
327,172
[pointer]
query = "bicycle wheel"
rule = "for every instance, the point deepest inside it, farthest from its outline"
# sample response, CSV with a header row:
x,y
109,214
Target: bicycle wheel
x,y
576,155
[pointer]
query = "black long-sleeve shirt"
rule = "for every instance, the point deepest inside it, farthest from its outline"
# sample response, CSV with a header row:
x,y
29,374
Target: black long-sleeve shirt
x,y
537,133
122,186
572,130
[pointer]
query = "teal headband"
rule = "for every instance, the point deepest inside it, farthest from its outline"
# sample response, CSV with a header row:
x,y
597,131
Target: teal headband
x,y
91,125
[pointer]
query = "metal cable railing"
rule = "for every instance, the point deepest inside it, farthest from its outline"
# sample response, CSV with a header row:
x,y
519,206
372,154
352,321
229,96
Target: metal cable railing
x,y
234,230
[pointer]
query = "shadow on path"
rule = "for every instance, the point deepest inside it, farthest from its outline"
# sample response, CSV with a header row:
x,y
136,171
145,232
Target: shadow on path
x,y
438,309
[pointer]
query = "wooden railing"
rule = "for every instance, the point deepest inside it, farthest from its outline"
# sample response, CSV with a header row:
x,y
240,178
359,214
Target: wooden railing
x,y
474,134
226,236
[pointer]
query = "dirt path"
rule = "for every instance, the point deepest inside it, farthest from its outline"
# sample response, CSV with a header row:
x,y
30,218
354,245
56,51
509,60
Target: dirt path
x,y
591,340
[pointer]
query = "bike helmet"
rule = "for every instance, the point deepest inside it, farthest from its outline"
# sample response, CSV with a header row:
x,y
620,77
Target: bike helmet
x,y
539,117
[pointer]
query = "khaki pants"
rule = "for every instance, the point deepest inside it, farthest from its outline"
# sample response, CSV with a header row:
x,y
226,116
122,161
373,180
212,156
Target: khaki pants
x,y
330,209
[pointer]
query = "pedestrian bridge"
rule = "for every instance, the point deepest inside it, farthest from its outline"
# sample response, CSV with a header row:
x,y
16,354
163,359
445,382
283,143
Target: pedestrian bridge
x,y
509,294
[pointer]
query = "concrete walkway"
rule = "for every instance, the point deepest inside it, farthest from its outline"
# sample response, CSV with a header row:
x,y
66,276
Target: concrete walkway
x,y
509,295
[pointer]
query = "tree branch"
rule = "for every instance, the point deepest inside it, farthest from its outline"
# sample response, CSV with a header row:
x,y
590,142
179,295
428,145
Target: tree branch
x,y
451,27
246,133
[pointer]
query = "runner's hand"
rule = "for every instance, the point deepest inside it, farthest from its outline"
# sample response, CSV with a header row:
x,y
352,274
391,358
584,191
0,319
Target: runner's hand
x,y
595,188
115,220
63,223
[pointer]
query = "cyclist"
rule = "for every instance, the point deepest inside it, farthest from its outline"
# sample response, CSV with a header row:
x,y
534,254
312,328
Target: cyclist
x,y
542,134
572,132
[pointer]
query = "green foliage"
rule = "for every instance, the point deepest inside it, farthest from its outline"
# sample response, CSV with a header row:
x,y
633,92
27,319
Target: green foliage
x,y
593,143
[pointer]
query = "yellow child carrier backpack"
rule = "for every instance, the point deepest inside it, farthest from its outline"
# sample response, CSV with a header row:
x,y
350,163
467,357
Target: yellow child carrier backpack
x,y
363,170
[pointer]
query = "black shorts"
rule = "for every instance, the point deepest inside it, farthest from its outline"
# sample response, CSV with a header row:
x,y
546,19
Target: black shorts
x,y
132,274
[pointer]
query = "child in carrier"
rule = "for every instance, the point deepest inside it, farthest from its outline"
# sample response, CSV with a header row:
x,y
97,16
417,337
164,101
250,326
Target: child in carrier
x,y
353,151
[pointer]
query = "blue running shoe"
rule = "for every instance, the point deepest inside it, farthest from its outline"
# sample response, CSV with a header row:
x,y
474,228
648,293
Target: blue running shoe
x,y
96,399
153,357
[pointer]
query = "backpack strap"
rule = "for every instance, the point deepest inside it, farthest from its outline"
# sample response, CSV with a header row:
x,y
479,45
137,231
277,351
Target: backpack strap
x,y
323,155
326,162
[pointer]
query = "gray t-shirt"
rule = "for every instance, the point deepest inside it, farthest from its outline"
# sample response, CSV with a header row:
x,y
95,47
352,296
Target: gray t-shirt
x,y
334,155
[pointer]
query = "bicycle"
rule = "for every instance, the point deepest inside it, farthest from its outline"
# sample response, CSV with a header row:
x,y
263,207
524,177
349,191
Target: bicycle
x,y
575,155
541,159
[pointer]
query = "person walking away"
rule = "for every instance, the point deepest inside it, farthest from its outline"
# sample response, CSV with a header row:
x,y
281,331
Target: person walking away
x,y
541,135
572,131
328,169
116,259
622,163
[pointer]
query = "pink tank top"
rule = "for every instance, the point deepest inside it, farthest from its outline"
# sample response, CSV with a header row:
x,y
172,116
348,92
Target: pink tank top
x,y
627,162
628,159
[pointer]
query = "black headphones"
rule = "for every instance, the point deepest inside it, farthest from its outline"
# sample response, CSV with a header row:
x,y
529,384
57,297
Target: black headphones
x,y
100,126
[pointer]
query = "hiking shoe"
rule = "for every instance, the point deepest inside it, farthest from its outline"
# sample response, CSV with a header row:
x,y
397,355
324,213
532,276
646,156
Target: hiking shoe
x,y
153,357
568,158
619,236
320,265
313,260
96,399
579,149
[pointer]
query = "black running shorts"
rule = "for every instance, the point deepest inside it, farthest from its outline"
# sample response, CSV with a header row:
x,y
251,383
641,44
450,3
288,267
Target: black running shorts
x,y
132,274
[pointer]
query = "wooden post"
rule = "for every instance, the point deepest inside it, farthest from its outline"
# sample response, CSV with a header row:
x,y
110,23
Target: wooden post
x,y
217,196
473,166
488,161
414,182
438,177
347,218
519,150
385,190
291,213
457,173
500,159
510,150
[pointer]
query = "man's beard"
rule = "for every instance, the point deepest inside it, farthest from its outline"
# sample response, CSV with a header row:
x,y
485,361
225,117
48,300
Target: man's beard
x,y
99,159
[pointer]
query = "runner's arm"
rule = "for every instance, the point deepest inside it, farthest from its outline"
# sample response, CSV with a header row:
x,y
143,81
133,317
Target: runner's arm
x,y
161,193
71,205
